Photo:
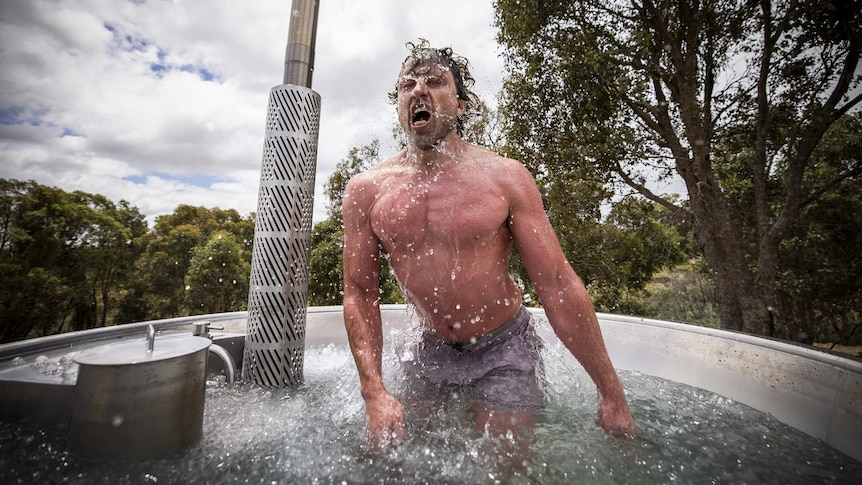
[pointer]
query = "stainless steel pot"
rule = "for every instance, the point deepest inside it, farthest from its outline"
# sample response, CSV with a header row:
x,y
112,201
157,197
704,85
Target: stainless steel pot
x,y
141,398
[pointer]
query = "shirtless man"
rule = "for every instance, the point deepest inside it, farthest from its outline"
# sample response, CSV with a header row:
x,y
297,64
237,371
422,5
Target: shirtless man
x,y
446,213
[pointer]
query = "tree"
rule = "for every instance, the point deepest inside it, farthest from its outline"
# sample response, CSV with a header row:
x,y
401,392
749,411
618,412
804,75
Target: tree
x,y
160,290
103,255
217,279
820,294
644,90
326,262
33,293
326,272
63,258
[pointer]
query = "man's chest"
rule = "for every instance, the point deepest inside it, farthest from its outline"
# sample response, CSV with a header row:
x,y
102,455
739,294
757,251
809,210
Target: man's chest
x,y
415,214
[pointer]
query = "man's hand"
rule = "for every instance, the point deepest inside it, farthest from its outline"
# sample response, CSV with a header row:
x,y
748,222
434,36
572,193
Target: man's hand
x,y
617,420
385,427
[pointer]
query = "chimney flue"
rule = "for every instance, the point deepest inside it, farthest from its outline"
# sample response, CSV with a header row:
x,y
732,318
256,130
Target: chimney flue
x,y
299,55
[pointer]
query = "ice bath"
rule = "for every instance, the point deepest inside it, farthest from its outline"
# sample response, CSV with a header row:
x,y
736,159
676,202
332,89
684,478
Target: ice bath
x,y
314,434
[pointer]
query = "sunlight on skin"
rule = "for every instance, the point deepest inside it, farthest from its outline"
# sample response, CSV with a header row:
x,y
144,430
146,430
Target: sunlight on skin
x,y
445,214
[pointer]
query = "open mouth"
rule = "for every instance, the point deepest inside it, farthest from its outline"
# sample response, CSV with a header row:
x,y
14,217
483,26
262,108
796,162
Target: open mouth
x,y
421,117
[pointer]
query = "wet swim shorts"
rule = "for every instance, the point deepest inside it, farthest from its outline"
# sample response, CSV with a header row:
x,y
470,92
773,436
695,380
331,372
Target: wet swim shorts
x,y
504,366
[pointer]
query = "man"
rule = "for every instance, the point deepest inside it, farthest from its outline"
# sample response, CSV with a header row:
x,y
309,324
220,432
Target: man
x,y
445,213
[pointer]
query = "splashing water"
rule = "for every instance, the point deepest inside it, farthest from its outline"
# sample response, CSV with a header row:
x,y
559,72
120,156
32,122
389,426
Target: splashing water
x,y
314,434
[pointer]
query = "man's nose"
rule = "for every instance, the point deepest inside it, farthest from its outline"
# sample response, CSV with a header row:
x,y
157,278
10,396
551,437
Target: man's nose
x,y
420,88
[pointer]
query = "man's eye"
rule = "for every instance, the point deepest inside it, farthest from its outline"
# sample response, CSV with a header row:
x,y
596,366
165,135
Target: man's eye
x,y
407,84
435,81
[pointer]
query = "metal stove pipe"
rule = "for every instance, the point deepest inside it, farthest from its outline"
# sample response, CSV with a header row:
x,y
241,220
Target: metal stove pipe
x,y
299,55
278,294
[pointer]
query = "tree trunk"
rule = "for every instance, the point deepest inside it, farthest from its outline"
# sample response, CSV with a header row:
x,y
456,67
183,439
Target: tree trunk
x,y
741,302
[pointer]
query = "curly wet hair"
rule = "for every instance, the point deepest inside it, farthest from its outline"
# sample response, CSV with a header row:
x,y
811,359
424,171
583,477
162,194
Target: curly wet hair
x,y
423,53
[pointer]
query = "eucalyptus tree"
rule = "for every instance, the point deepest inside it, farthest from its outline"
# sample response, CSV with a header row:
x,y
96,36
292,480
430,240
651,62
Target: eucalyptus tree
x,y
326,273
218,274
64,258
631,93
167,253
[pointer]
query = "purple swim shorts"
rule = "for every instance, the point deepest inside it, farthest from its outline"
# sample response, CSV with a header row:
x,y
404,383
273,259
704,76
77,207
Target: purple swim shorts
x,y
504,366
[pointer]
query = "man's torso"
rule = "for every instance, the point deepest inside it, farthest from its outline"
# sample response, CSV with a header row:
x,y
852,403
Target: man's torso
x,y
446,236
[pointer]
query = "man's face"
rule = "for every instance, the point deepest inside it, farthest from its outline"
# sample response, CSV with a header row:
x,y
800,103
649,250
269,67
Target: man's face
x,y
428,104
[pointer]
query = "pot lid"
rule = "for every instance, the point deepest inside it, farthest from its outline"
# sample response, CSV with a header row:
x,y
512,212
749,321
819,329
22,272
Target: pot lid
x,y
135,351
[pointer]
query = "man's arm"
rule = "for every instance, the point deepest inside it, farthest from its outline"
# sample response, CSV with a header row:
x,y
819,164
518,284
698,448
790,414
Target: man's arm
x,y
362,316
565,299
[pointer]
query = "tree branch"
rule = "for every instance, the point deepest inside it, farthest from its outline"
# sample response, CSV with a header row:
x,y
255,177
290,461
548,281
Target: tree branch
x,y
643,190
857,170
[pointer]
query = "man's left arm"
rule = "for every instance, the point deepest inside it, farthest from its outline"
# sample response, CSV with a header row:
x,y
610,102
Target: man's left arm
x,y
565,300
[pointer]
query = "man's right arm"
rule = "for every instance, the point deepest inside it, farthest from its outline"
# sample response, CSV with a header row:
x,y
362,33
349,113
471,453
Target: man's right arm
x,y
362,315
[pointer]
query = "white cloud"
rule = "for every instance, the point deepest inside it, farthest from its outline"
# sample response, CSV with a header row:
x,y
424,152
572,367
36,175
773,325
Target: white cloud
x,y
163,103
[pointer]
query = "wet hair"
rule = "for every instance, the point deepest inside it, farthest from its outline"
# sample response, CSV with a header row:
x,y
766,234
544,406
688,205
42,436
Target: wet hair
x,y
423,53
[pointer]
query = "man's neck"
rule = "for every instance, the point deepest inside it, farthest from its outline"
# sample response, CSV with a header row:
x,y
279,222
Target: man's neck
x,y
443,153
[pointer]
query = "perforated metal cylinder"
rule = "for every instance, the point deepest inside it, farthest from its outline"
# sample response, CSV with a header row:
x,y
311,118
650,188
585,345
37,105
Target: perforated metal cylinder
x,y
275,337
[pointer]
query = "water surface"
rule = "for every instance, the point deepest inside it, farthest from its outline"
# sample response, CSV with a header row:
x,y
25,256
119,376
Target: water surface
x,y
314,434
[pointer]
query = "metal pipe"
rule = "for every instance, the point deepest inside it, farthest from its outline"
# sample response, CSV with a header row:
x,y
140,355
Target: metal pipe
x,y
227,360
301,38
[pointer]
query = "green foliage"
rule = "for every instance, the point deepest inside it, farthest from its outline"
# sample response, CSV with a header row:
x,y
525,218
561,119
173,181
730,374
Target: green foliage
x,y
732,97
217,279
62,256
820,291
326,271
168,251
615,258
358,160
326,262
682,294
72,261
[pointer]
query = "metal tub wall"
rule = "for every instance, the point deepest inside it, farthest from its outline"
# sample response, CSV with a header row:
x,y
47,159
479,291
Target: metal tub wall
x,y
817,392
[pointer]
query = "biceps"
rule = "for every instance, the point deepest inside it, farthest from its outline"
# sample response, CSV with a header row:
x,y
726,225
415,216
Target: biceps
x,y
361,257
542,256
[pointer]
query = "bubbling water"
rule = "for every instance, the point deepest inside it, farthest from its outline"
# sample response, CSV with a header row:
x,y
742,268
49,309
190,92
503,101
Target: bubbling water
x,y
314,434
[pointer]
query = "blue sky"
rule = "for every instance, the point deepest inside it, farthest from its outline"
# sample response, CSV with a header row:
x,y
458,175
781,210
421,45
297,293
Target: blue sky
x,y
163,102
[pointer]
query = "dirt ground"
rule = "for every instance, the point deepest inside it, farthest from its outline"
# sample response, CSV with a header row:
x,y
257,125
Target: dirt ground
x,y
855,351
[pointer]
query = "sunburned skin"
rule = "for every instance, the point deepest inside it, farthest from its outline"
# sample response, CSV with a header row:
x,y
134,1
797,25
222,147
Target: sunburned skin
x,y
447,236
441,214
446,214
428,107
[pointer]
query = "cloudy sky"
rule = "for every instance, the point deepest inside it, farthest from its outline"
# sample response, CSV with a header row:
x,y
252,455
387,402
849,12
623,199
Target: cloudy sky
x,y
163,102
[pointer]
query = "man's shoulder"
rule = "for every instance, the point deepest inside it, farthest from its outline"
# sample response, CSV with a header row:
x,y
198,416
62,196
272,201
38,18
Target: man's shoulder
x,y
500,164
380,170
